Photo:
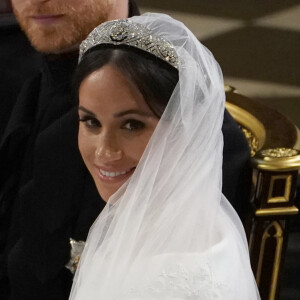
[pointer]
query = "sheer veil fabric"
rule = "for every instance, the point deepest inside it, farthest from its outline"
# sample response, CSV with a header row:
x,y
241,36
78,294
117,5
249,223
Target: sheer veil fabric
x,y
169,233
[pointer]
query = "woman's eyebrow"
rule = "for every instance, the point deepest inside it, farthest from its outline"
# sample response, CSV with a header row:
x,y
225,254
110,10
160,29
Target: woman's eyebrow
x,y
86,111
131,111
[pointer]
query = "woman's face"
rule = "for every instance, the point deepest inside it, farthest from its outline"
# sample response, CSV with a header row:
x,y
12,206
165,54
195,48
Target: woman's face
x,y
115,127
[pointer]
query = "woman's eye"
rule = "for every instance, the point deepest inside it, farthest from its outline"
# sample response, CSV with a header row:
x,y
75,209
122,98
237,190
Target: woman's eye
x,y
90,122
133,125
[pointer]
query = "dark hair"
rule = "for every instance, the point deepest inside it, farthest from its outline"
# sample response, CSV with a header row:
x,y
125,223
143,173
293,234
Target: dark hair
x,y
153,77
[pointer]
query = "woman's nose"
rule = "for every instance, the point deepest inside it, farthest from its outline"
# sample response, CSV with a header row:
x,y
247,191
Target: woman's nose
x,y
105,152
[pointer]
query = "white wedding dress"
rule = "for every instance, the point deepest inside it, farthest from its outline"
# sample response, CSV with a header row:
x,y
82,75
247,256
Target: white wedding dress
x,y
209,275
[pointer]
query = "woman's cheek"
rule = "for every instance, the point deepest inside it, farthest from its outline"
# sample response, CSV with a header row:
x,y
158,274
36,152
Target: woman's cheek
x,y
135,148
85,145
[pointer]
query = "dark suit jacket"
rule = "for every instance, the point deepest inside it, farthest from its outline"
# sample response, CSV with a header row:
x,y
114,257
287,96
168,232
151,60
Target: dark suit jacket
x,y
52,195
18,61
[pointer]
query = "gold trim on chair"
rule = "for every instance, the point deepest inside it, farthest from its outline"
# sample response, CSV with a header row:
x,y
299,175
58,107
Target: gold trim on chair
x,y
283,163
287,189
278,251
249,122
277,211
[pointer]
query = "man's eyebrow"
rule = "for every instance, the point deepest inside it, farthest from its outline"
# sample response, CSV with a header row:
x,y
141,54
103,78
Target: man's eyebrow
x,y
86,111
131,111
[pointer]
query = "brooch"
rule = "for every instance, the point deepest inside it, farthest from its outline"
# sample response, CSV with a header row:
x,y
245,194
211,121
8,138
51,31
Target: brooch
x,y
75,254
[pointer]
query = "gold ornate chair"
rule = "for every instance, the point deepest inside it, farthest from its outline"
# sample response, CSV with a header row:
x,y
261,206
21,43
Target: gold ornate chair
x,y
275,158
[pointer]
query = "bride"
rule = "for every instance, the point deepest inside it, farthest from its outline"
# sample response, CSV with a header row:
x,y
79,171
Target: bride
x,y
151,103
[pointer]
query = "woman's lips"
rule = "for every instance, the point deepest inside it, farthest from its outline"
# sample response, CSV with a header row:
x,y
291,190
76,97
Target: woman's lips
x,y
46,19
109,176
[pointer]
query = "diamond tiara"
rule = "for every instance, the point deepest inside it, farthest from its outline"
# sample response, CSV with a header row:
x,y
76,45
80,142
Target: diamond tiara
x,y
125,32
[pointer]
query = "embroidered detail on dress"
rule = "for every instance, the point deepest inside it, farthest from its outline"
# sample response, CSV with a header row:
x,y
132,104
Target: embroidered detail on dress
x,y
178,281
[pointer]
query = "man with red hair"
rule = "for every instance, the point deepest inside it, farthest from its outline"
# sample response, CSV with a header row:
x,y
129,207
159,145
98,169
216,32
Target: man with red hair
x,y
55,26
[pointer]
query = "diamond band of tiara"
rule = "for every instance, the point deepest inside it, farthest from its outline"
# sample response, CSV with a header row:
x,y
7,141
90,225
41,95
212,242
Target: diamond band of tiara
x,y
125,32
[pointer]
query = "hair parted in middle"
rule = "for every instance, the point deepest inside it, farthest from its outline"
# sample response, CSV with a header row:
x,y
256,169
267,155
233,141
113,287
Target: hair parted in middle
x,y
154,78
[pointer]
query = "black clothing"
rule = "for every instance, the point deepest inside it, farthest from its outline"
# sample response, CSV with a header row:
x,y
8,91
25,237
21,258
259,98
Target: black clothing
x,y
53,195
18,61
56,197
237,173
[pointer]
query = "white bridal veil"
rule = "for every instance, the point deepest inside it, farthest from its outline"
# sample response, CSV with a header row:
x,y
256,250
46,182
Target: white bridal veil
x,y
169,233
